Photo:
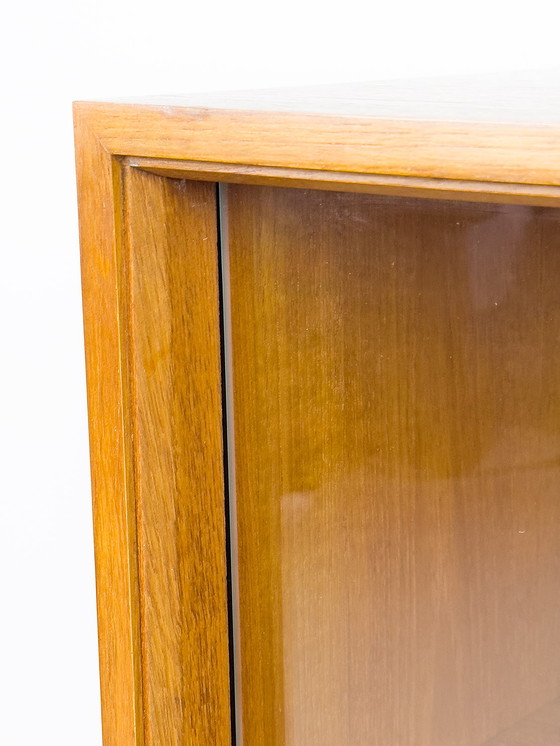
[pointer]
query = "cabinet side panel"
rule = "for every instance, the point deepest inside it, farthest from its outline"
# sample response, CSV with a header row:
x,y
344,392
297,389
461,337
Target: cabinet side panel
x,y
171,234
99,191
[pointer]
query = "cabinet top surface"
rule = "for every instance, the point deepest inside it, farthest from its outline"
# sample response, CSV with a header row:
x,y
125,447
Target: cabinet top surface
x,y
531,97
487,128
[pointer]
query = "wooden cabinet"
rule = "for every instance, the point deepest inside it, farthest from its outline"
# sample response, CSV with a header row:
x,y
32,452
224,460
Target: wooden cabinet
x,y
323,355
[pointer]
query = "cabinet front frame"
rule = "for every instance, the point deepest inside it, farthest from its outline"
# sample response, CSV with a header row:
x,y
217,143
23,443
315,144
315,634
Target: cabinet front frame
x,y
128,155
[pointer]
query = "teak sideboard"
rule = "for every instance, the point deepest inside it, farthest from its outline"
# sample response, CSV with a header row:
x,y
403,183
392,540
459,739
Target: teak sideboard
x,y
323,360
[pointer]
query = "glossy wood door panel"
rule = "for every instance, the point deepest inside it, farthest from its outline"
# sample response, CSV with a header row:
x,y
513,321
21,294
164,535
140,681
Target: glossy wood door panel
x,y
174,405
395,387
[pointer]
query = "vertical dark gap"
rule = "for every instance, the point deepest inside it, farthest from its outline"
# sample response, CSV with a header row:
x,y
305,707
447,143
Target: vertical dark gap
x,y
226,451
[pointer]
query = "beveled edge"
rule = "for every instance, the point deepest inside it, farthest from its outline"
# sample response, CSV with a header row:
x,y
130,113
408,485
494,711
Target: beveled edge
x,y
375,184
482,153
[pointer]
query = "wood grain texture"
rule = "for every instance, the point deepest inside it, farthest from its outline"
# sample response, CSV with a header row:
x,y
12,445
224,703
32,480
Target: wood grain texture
x,y
354,133
396,420
99,189
175,339
336,181
479,140
150,285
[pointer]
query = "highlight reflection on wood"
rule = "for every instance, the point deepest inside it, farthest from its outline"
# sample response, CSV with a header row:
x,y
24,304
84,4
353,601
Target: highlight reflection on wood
x,y
396,397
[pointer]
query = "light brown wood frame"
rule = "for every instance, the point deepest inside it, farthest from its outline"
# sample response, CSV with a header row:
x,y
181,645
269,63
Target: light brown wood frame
x,y
161,560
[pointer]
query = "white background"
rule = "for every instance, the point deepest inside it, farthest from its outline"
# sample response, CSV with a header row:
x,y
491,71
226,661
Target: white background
x,y
54,52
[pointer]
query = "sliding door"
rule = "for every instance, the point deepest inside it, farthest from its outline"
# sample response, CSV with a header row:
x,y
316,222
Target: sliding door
x,y
393,392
